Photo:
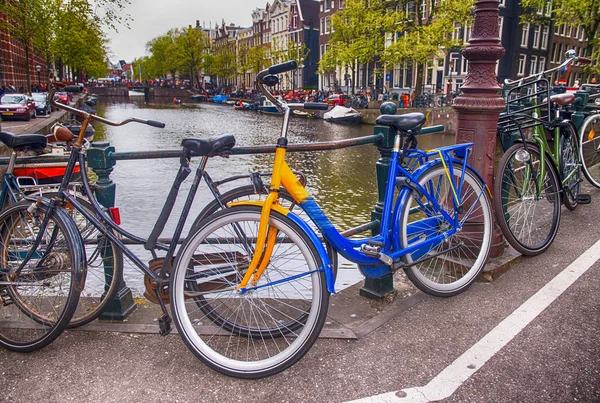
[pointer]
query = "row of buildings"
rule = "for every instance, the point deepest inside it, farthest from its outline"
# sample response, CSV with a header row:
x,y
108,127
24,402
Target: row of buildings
x,y
289,26
307,23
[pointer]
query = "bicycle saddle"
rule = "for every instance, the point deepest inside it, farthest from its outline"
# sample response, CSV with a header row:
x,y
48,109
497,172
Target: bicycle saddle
x,y
210,147
561,99
18,142
406,122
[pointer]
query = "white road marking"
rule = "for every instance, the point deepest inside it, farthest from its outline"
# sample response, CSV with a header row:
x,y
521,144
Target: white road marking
x,y
447,381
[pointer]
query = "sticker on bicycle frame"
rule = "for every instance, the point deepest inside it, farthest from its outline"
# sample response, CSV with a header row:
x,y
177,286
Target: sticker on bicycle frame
x,y
591,135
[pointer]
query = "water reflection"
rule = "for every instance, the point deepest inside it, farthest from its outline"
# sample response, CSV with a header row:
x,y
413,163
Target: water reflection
x,y
342,181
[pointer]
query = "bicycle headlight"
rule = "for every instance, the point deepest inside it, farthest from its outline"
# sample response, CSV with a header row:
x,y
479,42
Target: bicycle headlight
x,y
522,155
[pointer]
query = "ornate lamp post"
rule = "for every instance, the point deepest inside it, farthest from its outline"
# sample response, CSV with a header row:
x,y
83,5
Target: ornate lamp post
x,y
480,103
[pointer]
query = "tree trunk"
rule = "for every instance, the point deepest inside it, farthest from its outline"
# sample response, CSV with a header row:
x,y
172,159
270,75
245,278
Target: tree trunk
x,y
420,78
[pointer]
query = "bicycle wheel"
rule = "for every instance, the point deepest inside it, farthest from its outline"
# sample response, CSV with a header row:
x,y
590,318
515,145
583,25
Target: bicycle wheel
x,y
589,149
104,261
447,267
528,218
37,300
570,168
244,193
262,331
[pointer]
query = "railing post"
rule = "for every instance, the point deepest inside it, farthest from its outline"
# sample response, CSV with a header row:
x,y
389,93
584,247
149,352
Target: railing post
x,y
99,161
377,288
581,101
481,103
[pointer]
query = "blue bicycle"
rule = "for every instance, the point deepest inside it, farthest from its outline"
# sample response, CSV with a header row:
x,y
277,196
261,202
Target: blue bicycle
x,y
251,284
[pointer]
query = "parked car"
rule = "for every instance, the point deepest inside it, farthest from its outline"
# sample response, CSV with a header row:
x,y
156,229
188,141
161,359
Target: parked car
x,y
42,103
17,106
336,99
62,97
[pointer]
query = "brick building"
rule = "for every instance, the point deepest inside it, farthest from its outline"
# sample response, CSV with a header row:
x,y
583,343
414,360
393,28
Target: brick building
x,y
13,68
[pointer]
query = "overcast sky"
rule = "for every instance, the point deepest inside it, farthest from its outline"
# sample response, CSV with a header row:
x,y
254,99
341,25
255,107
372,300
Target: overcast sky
x,y
152,18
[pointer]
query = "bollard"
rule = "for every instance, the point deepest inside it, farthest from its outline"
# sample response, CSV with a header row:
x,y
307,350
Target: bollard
x,y
98,159
581,101
377,288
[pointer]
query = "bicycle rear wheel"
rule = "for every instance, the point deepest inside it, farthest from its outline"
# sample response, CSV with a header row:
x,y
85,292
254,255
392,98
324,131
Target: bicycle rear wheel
x,y
527,217
570,167
451,265
589,149
264,330
38,299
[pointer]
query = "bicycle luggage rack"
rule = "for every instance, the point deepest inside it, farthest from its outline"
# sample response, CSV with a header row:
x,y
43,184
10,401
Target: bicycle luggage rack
x,y
525,102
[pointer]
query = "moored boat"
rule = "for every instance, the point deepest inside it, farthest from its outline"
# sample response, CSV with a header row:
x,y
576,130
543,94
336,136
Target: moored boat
x,y
303,114
268,107
198,98
341,114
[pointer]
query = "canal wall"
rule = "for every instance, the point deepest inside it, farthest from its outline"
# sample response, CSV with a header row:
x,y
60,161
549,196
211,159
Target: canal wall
x,y
445,115
166,92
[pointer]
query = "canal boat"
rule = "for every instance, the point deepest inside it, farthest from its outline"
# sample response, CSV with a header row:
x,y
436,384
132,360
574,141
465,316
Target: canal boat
x,y
341,114
133,93
303,114
199,98
269,108
220,99
49,173
244,106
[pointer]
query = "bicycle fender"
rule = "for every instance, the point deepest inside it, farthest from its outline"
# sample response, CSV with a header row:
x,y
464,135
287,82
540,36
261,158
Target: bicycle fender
x,y
308,230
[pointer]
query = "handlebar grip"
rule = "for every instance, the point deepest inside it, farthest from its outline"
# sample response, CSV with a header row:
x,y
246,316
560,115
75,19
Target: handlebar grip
x,y
584,60
283,67
317,106
155,123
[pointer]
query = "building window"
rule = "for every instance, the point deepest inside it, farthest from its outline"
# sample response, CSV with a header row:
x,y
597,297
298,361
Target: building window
x,y
327,5
569,31
465,66
295,21
341,4
467,36
533,65
553,55
524,35
456,34
522,60
542,64
453,63
501,3
536,37
327,25
544,44
322,51
322,26
500,25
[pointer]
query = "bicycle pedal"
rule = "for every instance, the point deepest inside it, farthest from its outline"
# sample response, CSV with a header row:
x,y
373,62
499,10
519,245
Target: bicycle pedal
x,y
373,249
584,199
164,324
5,298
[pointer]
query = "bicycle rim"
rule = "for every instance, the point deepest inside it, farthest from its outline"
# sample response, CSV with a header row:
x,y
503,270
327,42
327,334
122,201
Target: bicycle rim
x,y
261,332
528,219
589,149
449,266
39,300
569,166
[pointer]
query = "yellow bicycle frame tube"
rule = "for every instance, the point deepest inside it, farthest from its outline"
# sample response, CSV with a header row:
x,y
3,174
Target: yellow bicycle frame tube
x,y
281,174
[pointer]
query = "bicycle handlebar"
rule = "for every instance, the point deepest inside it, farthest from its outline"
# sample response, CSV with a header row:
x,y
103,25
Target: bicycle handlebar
x,y
95,117
571,58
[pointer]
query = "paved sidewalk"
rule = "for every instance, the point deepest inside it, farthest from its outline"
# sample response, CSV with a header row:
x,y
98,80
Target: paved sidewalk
x,y
386,347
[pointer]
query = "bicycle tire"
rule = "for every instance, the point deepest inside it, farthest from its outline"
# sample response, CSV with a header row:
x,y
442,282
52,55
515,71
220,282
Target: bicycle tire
x,y
449,267
246,193
528,235
570,165
589,149
101,285
32,320
264,316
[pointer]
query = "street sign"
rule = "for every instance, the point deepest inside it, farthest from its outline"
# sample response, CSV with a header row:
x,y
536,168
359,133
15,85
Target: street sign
x,y
388,77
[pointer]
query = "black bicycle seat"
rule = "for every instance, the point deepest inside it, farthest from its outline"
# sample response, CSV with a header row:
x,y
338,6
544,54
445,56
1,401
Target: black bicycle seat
x,y
406,122
211,146
21,141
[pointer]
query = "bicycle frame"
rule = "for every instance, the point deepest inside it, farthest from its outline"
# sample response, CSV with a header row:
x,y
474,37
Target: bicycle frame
x,y
370,266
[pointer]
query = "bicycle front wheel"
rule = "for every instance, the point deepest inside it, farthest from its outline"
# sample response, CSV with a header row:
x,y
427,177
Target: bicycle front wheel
x,y
39,288
569,168
589,149
266,329
447,267
527,206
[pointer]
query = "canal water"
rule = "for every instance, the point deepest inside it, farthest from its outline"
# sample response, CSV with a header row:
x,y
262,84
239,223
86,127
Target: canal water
x,y
342,181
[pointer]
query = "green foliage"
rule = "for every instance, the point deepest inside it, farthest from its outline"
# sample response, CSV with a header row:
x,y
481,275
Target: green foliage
x,y
571,12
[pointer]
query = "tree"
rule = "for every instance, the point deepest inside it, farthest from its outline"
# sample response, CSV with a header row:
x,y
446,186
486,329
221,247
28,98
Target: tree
x,y
163,50
191,46
571,12
363,32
